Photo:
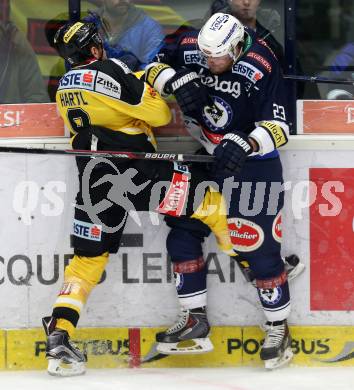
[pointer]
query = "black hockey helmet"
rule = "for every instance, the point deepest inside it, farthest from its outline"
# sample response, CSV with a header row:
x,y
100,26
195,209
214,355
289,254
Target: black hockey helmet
x,y
73,41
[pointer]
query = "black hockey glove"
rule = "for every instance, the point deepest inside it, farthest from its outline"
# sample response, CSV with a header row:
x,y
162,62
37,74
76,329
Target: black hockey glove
x,y
190,93
231,154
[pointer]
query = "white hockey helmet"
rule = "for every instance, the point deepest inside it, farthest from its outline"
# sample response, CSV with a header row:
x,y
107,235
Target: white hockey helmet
x,y
220,35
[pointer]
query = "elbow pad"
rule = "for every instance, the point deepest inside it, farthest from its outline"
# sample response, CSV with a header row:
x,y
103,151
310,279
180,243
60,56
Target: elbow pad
x,y
157,75
270,135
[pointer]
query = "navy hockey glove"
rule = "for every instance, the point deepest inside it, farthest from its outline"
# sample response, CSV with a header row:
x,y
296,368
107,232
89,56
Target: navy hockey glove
x,y
231,154
190,93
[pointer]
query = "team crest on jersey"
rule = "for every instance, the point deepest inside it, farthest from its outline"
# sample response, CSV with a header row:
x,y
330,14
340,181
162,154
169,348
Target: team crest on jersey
x,y
179,280
218,117
270,296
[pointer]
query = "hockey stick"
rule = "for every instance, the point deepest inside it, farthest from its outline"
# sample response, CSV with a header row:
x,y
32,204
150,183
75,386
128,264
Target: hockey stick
x,y
167,156
318,79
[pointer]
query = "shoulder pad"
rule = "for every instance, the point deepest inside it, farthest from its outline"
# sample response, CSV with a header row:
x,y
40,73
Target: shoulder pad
x,y
122,65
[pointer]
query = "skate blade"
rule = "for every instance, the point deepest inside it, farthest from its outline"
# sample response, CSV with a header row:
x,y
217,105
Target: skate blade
x,y
296,271
193,346
153,355
57,368
271,364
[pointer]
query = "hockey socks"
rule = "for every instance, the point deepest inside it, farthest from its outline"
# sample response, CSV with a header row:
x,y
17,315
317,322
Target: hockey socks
x,y
81,276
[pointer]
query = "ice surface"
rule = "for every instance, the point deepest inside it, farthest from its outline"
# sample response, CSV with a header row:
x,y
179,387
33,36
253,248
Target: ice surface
x,y
288,378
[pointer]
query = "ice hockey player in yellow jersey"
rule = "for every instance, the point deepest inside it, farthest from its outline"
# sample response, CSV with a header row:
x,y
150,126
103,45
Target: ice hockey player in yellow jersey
x,y
107,107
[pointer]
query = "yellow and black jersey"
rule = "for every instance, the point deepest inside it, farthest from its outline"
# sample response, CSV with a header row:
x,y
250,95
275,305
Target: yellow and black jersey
x,y
108,95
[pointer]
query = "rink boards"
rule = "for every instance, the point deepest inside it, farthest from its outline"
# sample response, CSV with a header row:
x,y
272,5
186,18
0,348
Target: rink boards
x,y
233,346
37,194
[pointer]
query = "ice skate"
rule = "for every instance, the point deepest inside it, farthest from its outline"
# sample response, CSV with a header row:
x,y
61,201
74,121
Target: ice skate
x,y
293,266
188,336
276,349
64,359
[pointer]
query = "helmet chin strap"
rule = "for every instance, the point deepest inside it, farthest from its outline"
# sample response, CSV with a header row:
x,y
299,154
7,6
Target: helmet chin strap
x,y
234,56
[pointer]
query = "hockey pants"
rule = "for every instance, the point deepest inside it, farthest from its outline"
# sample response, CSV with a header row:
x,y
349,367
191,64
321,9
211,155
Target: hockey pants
x,y
254,201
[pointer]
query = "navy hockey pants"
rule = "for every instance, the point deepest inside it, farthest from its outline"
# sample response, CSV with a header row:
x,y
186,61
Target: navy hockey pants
x,y
255,228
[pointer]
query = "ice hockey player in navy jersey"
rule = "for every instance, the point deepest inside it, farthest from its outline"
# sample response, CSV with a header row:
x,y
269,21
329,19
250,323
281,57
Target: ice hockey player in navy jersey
x,y
243,124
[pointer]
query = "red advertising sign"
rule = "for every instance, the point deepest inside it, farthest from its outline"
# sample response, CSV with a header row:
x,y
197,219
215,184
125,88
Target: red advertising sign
x,y
42,120
30,120
325,116
332,239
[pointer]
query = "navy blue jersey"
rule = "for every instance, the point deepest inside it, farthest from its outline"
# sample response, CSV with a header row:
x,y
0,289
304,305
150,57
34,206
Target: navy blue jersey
x,y
251,92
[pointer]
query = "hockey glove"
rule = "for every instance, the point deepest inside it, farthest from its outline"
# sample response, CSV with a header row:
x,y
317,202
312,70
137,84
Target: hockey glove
x,y
190,93
231,154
